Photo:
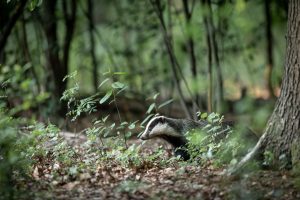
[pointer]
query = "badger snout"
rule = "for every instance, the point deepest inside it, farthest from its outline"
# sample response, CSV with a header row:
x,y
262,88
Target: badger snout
x,y
144,136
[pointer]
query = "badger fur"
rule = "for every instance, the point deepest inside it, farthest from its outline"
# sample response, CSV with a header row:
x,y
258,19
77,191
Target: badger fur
x,y
173,131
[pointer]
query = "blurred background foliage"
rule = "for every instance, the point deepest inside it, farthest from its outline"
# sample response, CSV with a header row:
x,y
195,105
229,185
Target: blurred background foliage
x,y
50,39
129,59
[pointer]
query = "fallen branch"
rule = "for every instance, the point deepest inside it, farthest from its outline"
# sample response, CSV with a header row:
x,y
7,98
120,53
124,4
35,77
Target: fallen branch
x,y
248,157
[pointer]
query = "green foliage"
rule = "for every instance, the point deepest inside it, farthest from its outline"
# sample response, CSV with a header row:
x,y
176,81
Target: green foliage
x,y
128,157
18,147
34,4
205,143
18,91
218,142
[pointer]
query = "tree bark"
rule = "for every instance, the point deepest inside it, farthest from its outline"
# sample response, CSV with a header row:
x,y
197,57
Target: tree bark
x,y
283,128
282,135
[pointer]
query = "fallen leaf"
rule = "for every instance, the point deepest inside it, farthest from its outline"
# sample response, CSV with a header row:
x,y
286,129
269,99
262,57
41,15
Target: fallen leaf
x,y
71,185
36,174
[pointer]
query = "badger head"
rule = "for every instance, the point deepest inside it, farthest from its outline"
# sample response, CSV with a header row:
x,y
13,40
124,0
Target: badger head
x,y
158,127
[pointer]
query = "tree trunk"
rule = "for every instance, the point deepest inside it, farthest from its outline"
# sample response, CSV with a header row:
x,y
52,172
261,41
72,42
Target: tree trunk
x,y
269,48
52,51
92,43
283,129
6,30
213,50
57,65
282,135
209,67
191,50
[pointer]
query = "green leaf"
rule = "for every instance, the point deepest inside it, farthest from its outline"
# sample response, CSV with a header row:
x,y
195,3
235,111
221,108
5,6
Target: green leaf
x,y
146,119
71,75
131,126
117,85
103,82
124,88
155,96
112,125
204,115
150,108
73,170
128,134
165,103
120,73
105,118
124,123
106,97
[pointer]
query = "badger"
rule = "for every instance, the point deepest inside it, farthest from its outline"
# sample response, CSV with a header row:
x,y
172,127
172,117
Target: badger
x,y
173,131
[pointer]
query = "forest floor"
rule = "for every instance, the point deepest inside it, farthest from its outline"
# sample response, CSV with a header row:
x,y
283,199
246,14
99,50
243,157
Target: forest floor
x,y
177,180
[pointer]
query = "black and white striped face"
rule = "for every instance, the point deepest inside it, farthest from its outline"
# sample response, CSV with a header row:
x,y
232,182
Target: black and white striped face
x,y
156,127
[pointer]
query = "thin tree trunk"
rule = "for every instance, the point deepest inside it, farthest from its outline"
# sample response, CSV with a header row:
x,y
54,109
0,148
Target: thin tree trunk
x,y
190,46
209,40
190,41
269,48
215,50
103,43
27,53
70,19
157,7
11,23
209,67
92,43
57,66
53,62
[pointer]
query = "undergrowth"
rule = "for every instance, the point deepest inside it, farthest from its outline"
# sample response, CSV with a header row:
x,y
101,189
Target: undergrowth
x,y
40,151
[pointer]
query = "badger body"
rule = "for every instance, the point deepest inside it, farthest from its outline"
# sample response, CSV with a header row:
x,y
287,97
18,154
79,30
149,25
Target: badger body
x,y
173,131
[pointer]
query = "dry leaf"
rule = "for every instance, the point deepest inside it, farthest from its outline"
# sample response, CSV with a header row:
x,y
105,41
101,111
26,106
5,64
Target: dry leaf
x,y
36,174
